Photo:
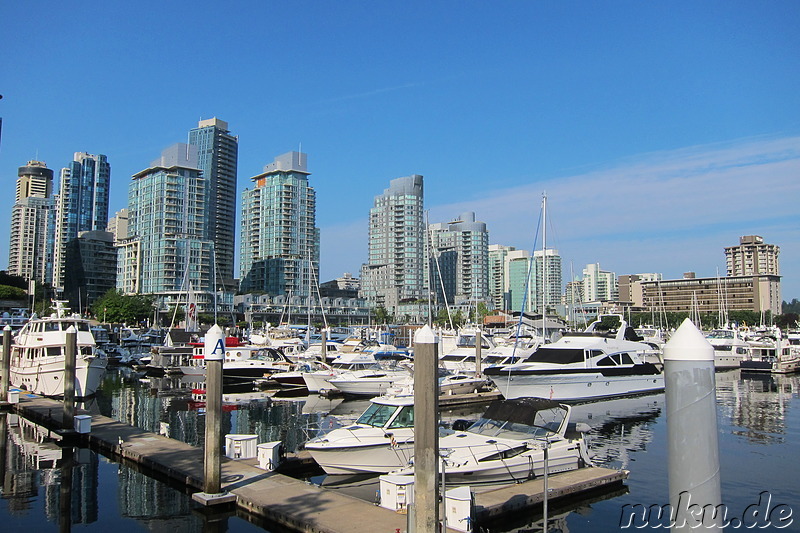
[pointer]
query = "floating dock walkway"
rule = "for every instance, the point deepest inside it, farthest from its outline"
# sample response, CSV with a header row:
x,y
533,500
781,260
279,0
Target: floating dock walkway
x,y
290,502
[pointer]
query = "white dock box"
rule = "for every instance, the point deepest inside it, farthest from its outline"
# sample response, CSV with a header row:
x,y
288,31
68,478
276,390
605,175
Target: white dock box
x,y
269,454
458,509
240,446
13,396
83,423
397,492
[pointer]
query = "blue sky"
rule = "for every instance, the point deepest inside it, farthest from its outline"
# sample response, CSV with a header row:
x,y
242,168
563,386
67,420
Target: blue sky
x,y
661,132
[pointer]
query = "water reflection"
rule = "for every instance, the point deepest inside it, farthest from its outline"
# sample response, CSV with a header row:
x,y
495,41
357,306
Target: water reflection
x,y
754,411
36,469
757,404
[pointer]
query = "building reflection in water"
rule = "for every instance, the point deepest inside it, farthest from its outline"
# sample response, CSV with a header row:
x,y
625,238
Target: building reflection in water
x,y
757,404
175,407
619,427
32,460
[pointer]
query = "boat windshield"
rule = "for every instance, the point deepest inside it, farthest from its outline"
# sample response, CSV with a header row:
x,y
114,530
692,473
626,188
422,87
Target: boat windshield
x,y
265,355
720,334
377,415
545,423
561,356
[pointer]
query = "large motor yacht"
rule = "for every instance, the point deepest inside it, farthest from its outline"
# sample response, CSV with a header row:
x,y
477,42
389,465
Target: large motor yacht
x,y
603,361
38,355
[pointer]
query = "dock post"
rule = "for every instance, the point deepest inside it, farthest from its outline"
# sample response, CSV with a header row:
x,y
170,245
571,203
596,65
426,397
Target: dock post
x,y
426,433
693,447
214,348
478,348
68,420
324,346
5,370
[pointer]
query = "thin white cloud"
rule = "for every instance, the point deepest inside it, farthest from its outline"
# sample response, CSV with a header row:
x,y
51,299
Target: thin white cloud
x,y
664,212
667,212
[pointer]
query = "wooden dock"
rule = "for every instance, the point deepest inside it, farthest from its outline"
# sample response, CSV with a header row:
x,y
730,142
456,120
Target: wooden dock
x,y
284,500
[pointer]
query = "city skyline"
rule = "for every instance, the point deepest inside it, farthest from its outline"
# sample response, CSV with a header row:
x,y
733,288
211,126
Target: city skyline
x,y
661,134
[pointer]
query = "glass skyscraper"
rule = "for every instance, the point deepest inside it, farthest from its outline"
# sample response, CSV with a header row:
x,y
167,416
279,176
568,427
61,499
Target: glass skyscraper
x,y
167,248
217,153
82,205
395,270
280,240
459,262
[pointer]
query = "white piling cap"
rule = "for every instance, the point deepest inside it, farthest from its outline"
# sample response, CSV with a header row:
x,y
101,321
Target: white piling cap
x,y
425,335
214,344
688,344
72,329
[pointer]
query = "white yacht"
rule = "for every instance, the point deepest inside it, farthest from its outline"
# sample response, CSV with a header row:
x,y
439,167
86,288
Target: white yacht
x,y
241,362
599,362
38,355
507,444
461,357
511,350
372,381
780,355
730,348
318,380
381,440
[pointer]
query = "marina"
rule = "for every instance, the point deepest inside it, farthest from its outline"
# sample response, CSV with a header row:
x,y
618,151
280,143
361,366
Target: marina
x,y
758,416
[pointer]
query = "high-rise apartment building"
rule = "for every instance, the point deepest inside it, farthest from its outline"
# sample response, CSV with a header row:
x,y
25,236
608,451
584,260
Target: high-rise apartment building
x,y
752,257
93,268
599,285
167,249
279,252
82,205
547,279
217,154
520,295
30,252
118,225
533,282
395,268
498,285
459,262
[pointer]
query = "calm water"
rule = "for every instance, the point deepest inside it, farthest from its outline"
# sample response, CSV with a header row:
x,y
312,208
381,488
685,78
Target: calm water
x,y
758,423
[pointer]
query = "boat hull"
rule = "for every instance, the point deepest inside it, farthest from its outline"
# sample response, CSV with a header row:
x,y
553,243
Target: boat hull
x,y
47,378
318,381
577,386
364,387
378,458
562,457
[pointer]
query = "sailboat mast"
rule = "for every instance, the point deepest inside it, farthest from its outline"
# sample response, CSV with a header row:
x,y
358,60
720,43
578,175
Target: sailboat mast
x,y
544,261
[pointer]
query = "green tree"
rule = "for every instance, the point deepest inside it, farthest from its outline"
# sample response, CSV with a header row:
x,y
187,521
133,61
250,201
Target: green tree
x,y
788,321
9,292
382,316
791,307
113,306
442,318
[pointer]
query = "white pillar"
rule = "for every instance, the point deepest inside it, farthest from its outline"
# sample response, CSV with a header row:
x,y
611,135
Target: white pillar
x,y
693,448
